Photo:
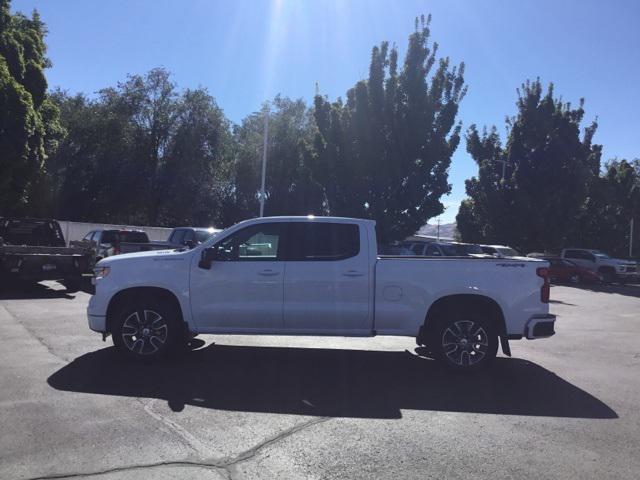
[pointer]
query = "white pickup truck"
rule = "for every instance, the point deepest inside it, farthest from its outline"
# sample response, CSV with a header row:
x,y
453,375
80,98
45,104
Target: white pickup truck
x,y
318,276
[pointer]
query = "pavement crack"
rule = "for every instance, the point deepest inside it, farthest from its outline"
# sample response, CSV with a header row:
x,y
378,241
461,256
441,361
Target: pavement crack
x,y
191,440
141,466
33,334
225,466
252,452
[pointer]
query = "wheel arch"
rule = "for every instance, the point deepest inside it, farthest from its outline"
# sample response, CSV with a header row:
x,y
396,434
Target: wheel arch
x,y
458,303
128,295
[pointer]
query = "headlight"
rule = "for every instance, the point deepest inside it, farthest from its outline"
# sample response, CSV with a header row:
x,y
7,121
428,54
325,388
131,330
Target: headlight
x,y
101,272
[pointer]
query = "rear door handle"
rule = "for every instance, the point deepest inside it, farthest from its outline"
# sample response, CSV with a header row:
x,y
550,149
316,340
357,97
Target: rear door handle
x,y
268,273
353,273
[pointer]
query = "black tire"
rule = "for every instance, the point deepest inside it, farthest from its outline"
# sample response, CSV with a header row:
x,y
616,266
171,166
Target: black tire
x,y
608,275
575,279
147,330
465,342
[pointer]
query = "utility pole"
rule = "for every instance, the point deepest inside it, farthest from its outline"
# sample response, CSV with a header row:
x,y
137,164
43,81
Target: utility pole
x,y
631,238
262,195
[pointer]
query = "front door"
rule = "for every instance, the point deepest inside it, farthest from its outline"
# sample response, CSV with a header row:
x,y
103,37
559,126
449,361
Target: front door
x,y
243,289
326,287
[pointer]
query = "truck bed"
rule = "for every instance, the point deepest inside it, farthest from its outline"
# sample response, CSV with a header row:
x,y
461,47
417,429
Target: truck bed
x,y
511,281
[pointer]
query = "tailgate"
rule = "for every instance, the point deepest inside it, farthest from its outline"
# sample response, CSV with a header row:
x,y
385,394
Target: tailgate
x,y
44,266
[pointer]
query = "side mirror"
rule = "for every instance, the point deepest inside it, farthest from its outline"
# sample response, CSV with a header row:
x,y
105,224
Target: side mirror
x,y
189,243
207,257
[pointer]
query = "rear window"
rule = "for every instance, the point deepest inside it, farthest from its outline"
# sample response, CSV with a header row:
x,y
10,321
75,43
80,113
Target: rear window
x,y
134,237
114,236
323,241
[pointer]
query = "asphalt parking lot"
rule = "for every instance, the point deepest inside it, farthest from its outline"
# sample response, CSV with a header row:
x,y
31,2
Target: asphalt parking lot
x,y
276,407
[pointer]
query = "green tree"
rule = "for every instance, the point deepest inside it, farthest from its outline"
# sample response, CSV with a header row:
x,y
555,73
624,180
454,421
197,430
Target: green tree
x,y
290,186
614,199
29,128
142,153
385,152
548,168
195,169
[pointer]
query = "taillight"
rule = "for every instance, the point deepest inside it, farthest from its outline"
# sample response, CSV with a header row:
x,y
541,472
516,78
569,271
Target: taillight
x,y
545,290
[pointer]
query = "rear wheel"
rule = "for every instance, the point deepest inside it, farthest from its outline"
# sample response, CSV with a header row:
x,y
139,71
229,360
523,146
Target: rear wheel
x,y
465,342
147,330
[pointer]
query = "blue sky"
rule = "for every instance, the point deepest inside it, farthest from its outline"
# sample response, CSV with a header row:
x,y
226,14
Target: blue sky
x,y
245,51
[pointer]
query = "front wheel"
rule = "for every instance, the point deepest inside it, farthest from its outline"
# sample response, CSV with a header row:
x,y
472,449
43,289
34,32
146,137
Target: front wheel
x,y
465,343
147,331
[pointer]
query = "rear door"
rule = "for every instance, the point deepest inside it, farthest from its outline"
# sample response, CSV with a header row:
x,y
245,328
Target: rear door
x,y
326,285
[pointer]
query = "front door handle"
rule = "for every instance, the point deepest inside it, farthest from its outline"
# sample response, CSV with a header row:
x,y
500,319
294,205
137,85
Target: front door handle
x,y
268,273
353,273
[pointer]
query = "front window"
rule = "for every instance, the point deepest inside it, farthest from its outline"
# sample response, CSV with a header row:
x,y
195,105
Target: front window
x,y
258,242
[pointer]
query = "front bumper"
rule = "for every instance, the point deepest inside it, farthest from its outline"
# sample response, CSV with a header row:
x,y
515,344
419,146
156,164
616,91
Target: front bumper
x,y
627,274
540,326
97,323
96,314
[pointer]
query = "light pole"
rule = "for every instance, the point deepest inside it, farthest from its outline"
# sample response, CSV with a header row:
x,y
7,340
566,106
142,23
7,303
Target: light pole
x,y
504,167
631,238
262,195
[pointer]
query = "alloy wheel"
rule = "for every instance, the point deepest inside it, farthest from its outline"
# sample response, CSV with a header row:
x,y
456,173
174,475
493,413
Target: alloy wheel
x,y
465,343
144,332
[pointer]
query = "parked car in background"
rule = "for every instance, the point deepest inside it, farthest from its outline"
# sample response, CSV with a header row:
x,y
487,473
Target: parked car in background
x,y
426,248
611,269
187,237
565,271
499,251
318,276
33,250
395,250
106,243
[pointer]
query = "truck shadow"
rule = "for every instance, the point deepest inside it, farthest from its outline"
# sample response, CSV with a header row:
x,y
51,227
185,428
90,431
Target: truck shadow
x,y
327,382
33,291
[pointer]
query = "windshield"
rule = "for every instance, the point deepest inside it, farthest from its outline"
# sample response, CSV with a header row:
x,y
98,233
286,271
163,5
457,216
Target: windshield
x,y
204,235
471,248
451,250
508,251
